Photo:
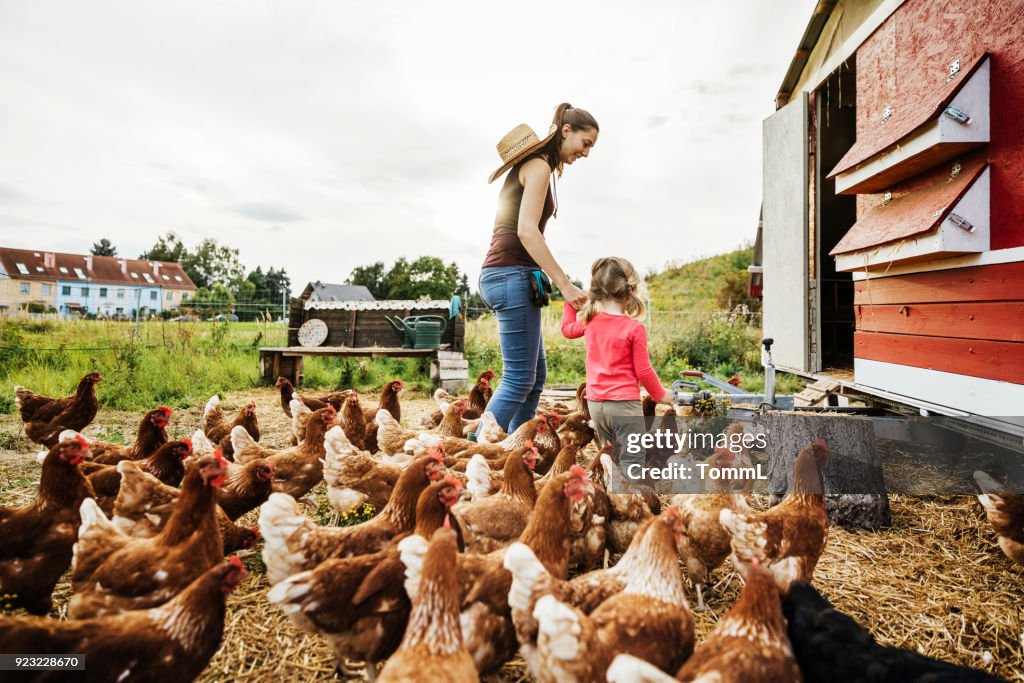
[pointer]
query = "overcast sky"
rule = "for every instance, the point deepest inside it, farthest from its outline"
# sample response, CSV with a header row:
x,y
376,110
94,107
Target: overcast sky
x,y
319,136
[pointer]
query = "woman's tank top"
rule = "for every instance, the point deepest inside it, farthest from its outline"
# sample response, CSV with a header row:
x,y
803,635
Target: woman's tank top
x,y
506,248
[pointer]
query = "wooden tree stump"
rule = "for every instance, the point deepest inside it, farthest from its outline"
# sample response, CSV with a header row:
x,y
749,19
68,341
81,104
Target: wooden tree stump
x,y
854,480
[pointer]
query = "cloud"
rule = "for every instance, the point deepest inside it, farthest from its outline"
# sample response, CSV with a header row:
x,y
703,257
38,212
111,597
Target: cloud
x,y
271,213
710,88
9,193
24,224
373,126
755,70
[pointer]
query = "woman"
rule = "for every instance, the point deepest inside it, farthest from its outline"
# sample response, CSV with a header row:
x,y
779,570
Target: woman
x,y
525,204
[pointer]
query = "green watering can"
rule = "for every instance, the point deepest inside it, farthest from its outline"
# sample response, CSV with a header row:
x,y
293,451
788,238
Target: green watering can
x,y
419,331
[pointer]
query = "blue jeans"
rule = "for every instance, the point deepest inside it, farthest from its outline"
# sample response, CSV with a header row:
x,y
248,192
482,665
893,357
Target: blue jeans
x,y
506,291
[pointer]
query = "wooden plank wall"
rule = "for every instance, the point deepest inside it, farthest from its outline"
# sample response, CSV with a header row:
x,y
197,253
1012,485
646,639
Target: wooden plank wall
x,y
967,321
369,328
295,321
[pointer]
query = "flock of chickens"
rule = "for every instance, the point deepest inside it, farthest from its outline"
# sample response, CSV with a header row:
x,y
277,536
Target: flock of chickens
x,y
480,549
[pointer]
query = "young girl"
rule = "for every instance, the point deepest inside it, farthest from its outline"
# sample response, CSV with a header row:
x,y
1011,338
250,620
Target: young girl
x,y
616,344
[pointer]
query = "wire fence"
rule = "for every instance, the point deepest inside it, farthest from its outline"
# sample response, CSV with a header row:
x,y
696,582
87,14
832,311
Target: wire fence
x,y
657,321
109,335
72,335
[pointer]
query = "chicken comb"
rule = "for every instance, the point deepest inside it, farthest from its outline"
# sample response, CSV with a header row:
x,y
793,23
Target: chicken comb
x,y
485,381
436,452
672,511
81,441
256,530
235,562
164,409
820,443
579,472
188,442
554,417
219,455
452,481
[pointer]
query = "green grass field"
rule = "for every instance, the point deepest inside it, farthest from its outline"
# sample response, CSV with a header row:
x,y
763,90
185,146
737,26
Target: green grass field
x,y
174,364
182,363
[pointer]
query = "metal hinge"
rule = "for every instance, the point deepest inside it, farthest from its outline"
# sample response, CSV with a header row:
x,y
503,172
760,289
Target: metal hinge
x,y
886,114
954,172
886,198
954,69
957,115
960,222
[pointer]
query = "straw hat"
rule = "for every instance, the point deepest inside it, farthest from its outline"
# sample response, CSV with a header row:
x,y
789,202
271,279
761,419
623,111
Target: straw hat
x,y
519,143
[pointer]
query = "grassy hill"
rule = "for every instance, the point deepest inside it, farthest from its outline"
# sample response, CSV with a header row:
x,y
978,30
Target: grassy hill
x,y
709,284
698,320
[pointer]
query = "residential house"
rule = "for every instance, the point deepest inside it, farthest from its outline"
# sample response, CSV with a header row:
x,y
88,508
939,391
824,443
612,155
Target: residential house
x,y
325,291
26,285
86,284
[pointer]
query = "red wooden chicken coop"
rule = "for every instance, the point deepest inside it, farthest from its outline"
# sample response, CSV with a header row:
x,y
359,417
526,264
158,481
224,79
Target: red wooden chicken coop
x,y
892,238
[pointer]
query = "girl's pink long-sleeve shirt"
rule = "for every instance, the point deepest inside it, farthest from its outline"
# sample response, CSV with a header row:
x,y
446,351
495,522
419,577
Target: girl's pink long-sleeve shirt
x,y
617,356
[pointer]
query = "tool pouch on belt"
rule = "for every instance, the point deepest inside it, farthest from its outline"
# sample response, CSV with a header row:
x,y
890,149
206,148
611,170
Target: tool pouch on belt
x,y
540,288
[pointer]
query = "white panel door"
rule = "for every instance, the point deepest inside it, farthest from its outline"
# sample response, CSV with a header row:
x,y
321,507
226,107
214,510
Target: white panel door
x,y
785,300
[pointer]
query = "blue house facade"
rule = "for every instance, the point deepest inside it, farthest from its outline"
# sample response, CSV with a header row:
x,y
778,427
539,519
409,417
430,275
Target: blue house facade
x,y
103,286
108,300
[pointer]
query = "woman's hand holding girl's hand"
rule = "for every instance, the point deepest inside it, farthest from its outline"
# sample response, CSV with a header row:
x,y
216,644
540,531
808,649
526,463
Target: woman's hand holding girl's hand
x,y
667,398
573,295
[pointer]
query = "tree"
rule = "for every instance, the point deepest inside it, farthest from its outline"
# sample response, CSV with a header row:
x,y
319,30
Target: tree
x,y
426,276
167,248
472,303
246,291
371,277
211,263
103,248
278,285
261,292
257,278
556,294
208,301
396,283
219,275
429,276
